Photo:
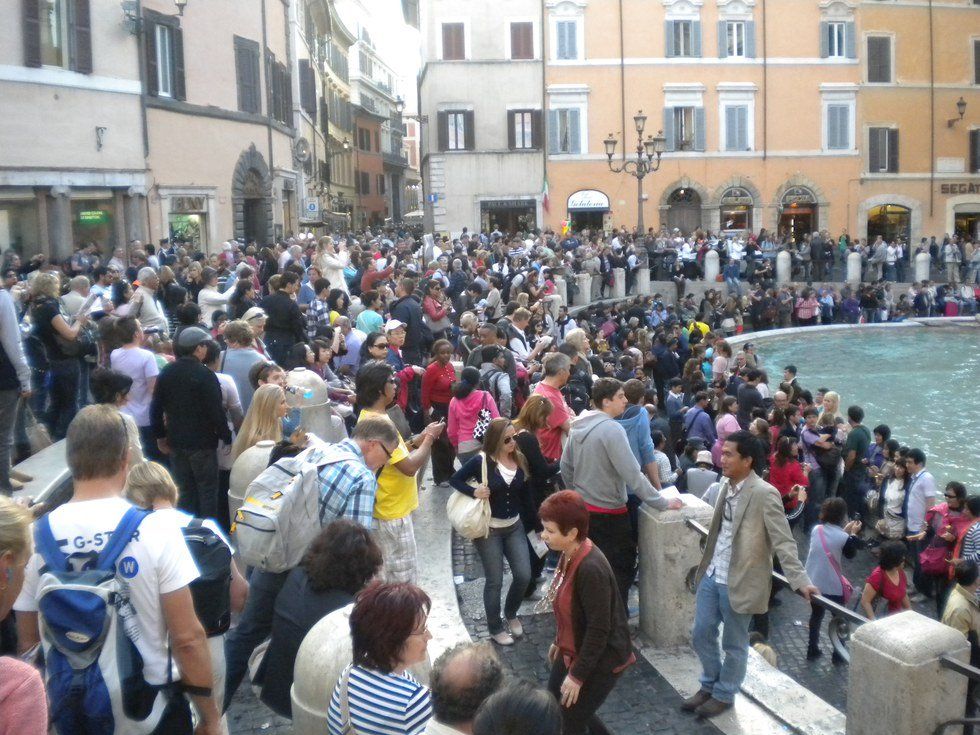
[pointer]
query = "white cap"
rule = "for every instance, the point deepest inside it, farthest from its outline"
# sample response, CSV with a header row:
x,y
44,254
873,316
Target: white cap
x,y
392,324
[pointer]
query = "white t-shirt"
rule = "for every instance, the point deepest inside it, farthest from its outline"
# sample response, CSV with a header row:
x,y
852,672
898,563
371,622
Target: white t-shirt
x,y
141,366
154,563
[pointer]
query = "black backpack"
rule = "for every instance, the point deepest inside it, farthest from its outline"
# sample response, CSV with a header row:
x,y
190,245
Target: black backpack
x,y
212,590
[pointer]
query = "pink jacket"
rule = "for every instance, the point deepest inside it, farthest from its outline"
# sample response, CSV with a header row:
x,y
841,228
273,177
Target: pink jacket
x,y
463,415
23,705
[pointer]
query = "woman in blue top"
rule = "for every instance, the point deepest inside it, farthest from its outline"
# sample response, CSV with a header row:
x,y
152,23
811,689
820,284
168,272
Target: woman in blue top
x,y
376,694
504,482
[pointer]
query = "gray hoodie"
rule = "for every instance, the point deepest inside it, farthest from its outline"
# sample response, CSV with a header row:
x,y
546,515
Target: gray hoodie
x,y
597,463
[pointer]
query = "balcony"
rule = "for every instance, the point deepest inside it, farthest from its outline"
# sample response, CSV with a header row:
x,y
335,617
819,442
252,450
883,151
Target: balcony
x,y
394,159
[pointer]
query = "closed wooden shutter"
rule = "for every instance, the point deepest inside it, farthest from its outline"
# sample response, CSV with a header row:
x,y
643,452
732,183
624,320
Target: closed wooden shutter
x,y
442,130
307,87
750,39
879,59
975,151
553,145
567,33
669,39
574,131
521,41
671,143
177,54
469,131
82,35
32,33
722,39
511,133
892,151
536,128
453,44
731,128
699,131
150,52
695,38
824,39
324,120
875,164
247,75
850,40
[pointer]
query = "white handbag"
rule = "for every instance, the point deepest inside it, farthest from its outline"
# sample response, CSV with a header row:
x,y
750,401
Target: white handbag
x,y
470,516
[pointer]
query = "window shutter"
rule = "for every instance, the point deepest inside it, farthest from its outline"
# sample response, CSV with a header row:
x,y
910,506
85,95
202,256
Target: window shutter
x,y
892,151
324,119
561,50
976,62
850,41
722,39
743,129
536,128
669,38
879,59
150,48
731,128
974,151
177,54
824,39
511,134
750,39
469,131
553,131
574,132
521,41
874,150
32,33
670,144
833,128
241,77
307,87
696,38
82,31
699,133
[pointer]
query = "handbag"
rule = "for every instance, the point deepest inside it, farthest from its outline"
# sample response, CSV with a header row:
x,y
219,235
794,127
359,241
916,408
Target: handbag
x,y
847,589
347,728
483,420
470,517
37,433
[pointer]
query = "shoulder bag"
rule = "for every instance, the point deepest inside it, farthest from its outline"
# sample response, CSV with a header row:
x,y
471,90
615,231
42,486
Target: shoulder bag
x,y
483,420
933,560
470,517
847,589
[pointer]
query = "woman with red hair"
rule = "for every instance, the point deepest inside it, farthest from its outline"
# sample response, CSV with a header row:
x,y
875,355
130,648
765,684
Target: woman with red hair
x,y
592,645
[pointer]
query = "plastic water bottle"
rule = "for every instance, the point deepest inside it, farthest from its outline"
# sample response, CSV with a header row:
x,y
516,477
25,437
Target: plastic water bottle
x,y
308,393
127,614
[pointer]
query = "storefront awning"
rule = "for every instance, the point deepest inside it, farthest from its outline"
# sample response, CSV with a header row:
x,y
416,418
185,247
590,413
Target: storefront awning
x,y
588,200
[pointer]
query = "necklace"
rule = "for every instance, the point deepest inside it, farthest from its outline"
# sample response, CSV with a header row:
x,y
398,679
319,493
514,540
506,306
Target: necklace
x,y
547,603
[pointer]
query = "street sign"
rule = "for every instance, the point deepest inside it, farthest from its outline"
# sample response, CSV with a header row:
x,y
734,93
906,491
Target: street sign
x,y
432,198
312,207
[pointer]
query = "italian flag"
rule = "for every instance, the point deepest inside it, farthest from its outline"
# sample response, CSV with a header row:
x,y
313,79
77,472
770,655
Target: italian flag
x,y
545,202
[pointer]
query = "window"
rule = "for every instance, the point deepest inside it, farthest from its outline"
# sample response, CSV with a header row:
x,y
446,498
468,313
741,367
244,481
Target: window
x,y
307,87
381,184
975,151
279,90
879,60
363,139
564,131
363,181
976,61
736,127
247,75
566,39
882,150
453,42
523,129
456,130
835,40
684,128
164,48
683,38
58,33
839,127
735,38
522,40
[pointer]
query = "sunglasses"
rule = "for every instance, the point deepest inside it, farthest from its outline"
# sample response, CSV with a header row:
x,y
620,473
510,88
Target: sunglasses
x,y
510,440
386,450
379,346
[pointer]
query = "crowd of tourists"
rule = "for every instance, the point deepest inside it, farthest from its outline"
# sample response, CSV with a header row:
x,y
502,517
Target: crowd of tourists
x,y
162,367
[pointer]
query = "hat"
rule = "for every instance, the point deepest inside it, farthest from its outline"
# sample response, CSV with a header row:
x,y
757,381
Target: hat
x,y
392,324
192,337
704,457
256,312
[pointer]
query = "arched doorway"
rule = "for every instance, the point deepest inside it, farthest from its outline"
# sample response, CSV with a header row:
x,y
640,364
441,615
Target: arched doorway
x,y
251,197
891,221
736,210
798,212
684,210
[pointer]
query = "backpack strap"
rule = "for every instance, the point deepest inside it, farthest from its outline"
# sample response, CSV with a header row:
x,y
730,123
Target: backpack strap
x,y
47,546
120,538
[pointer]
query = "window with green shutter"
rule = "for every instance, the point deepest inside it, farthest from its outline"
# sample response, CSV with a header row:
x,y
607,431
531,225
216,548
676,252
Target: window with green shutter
x,y
247,75
838,127
566,37
879,60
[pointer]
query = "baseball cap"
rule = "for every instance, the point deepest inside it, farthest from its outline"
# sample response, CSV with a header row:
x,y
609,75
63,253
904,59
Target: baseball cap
x,y
192,337
393,324
704,457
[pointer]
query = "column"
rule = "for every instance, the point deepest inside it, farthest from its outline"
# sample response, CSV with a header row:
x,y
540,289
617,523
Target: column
x,y
922,264
896,683
584,283
712,266
119,219
561,288
643,281
669,553
619,283
784,267
43,231
854,268
60,223
135,212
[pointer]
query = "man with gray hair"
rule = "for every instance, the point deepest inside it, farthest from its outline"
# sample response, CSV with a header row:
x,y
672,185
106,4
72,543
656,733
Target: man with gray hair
x,y
557,369
78,290
144,305
462,678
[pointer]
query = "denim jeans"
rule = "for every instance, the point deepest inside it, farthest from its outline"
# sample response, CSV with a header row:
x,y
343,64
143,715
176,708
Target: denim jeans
x,y
63,377
196,474
722,679
9,401
509,542
613,535
254,626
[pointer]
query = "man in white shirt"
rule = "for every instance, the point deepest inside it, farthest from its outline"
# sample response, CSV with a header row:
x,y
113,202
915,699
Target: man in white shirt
x,y
144,305
78,290
155,569
139,364
462,678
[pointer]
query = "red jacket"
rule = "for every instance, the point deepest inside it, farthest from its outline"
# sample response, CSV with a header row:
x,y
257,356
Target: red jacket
x,y
784,477
437,383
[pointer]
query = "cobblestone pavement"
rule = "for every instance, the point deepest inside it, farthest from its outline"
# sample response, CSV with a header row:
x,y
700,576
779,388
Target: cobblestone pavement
x,y
248,716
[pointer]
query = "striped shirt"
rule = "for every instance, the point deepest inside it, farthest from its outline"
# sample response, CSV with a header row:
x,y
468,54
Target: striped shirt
x,y
380,704
347,488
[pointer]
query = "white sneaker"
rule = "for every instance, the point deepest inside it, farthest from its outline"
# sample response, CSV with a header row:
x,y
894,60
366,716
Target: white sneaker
x,y
516,629
503,638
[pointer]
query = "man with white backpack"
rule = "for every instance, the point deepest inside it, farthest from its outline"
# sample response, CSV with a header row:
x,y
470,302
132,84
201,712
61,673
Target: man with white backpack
x,y
107,596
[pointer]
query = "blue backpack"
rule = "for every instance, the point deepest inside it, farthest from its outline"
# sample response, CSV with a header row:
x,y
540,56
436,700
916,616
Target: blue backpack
x,y
94,671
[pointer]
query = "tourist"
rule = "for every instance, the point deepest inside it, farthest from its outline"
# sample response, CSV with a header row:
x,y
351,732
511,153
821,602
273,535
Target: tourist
x,y
23,704
264,419
922,495
854,452
592,644
830,540
788,476
389,633
284,325
239,357
726,423
469,406
331,261
339,562
140,366
749,398
112,388
407,310
557,371
499,473
948,522
702,476
663,474
462,679
437,310
698,426
735,575
887,581
598,463
892,523
518,710
437,384
15,385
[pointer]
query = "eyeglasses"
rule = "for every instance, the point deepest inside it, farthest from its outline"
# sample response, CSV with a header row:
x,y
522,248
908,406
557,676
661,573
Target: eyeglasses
x,y
510,440
423,630
387,451
728,511
951,497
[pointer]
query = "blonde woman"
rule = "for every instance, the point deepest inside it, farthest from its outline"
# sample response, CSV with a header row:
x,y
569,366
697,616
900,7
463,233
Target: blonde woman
x,y
23,705
331,262
263,420
580,341
60,339
831,405
149,485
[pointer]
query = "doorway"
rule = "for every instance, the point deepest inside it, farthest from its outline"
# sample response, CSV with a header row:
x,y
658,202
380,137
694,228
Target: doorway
x,y
587,219
255,224
684,211
795,223
967,224
891,221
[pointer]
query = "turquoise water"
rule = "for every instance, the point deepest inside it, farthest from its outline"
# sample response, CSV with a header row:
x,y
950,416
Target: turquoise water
x,y
922,382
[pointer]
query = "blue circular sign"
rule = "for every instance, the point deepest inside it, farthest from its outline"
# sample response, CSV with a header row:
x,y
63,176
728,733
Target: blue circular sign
x,y
128,567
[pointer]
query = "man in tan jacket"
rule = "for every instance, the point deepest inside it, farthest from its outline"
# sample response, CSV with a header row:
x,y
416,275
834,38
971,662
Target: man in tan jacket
x,y
735,575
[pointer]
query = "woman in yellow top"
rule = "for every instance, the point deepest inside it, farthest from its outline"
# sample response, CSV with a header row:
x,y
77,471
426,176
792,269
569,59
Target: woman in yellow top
x,y
397,494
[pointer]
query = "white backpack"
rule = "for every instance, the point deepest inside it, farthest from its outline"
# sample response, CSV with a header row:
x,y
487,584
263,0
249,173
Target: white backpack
x,y
281,512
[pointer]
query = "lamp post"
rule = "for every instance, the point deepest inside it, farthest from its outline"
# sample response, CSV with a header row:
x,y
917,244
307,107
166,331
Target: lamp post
x,y
648,153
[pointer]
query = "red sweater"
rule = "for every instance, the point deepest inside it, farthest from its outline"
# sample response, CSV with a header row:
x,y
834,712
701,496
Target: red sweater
x,y
372,277
784,477
437,383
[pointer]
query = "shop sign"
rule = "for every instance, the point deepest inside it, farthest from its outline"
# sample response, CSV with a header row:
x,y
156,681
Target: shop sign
x,y
508,204
311,207
188,205
962,187
798,195
588,199
736,196
93,217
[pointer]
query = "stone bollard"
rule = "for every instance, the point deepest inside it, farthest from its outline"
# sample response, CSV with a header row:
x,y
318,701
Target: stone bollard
x,y
896,684
643,281
922,266
561,288
250,464
854,268
619,283
669,556
320,661
784,267
712,266
584,283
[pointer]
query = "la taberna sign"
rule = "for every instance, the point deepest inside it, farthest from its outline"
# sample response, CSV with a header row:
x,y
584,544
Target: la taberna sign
x,y
588,199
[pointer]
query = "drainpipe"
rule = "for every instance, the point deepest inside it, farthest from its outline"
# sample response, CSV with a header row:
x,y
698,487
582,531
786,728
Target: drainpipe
x,y
765,89
932,116
622,79
268,112
544,99
140,64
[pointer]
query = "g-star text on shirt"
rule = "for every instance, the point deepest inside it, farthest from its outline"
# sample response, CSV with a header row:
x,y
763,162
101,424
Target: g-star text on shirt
x,y
97,541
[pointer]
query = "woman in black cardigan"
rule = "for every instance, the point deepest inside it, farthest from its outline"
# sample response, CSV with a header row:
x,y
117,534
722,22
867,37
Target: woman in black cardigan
x,y
592,643
499,473
541,473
